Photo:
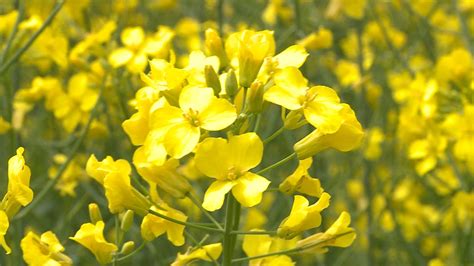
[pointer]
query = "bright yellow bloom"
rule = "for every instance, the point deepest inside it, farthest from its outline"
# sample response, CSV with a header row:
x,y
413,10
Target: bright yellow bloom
x,y
303,216
91,236
164,76
199,108
254,245
43,250
209,252
427,151
19,193
347,137
317,40
229,162
4,224
300,181
99,169
122,196
320,104
153,226
247,50
338,235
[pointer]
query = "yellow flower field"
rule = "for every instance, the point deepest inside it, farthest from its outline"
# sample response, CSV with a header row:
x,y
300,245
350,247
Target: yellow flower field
x,y
225,132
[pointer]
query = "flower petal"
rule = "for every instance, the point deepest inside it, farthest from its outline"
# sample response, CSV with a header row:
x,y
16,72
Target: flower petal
x,y
249,189
207,151
181,140
120,57
195,98
245,151
218,115
215,194
324,111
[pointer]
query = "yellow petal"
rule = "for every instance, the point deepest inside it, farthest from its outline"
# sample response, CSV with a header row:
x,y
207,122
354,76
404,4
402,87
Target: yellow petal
x,y
289,90
215,194
132,37
254,245
323,111
4,224
209,149
120,57
245,151
249,189
181,140
195,98
166,117
293,56
218,115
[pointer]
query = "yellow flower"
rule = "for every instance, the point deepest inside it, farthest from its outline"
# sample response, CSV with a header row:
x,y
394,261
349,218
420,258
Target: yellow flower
x,y
164,76
122,196
19,193
317,40
300,181
91,236
338,235
4,125
254,245
347,137
199,108
153,226
229,162
320,104
4,224
427,151
209,252
247,50
99,169
303,216
43,250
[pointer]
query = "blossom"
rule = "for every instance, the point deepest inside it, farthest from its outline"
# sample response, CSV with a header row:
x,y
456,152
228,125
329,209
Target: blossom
x,y
153,226
43,250
300,181
229,162
91,236
320,104
198,108
209,252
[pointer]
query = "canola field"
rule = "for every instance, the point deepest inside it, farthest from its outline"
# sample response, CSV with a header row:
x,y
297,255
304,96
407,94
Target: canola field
x,y
227,132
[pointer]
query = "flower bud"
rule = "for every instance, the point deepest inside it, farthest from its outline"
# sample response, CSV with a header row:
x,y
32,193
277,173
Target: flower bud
x,y
94,213
215,47
212,80
255,97
293,119
127,220
346,138
231,85
127,247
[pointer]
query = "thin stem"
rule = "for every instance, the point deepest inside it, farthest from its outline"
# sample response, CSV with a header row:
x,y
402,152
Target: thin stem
x,y
27,45
229,220
272,233
290,251
258,121
274,135
193,225
142,245
277,164
65,165
199,205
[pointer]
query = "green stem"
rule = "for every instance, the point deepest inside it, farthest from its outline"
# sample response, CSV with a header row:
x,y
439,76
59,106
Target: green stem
x,y
258,121
199,205
229,220
192,225
290,251
274,135
27,45
272,233
277,164
464,28
64,166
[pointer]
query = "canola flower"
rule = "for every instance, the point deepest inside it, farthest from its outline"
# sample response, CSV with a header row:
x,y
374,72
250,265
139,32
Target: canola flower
x,y
213,132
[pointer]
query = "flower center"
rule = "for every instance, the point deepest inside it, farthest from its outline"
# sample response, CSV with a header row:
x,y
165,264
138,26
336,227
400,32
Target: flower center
x,y
193,117
233,174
